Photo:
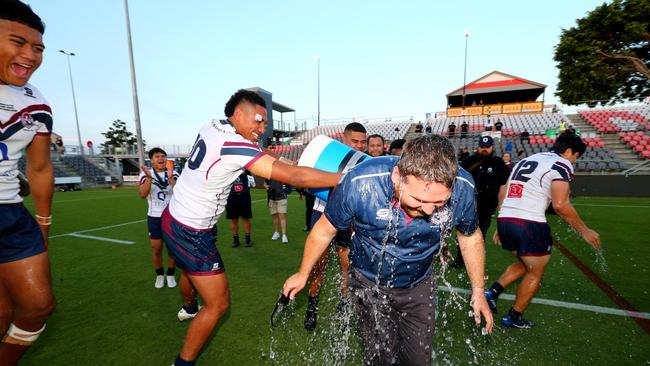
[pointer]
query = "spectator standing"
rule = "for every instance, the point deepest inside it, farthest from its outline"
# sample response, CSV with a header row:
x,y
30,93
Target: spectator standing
x,y
507,159
488,124
451,130
376,145
489,173
239,206
277,194
464,128
498,125
396,147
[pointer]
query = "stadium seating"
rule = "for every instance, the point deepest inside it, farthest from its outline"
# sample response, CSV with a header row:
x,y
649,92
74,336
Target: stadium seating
x,y
638,141
389,130
618,120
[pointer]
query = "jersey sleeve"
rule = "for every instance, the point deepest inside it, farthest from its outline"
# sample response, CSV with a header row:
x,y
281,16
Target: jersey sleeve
x,y
41,113
340,205
238,153
142,178
562,172
464,210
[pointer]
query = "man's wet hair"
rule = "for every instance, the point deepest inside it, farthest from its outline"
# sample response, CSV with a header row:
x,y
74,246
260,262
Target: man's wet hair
x,y
571,141
377,136
431,158
19,12
155,150
242,95
354,127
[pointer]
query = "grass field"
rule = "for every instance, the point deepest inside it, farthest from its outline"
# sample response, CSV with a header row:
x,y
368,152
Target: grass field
x,y
109,313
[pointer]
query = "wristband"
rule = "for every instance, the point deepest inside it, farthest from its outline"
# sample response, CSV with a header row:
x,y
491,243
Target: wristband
x,y
44,220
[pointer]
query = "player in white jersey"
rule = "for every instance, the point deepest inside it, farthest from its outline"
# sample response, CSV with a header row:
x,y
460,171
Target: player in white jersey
x,y
535,182
223,149
356,137
156,185
26,298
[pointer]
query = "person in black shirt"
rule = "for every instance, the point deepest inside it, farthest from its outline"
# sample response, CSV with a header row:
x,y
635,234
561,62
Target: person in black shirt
x,y
451,130
239,205
464,127
277,194
498,125
489,173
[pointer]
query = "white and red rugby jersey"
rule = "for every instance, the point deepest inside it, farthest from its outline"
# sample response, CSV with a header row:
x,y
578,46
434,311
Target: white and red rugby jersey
x,y
218,157
528,192
24,113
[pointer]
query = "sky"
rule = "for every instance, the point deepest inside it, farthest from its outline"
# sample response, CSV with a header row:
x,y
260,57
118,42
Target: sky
x,y
378,59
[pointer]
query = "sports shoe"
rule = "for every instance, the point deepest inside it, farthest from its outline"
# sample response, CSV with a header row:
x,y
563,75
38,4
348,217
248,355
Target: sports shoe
x,y
285,240
235,244
160,281
184,315
171,281
491,300
512,322
276,236
311,317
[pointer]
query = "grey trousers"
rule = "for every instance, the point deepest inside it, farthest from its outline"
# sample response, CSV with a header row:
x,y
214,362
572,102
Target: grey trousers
x,y
396,324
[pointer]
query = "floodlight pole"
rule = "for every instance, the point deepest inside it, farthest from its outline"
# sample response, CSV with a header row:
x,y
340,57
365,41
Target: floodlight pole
x,y
318,61
134,87
74,100
465,68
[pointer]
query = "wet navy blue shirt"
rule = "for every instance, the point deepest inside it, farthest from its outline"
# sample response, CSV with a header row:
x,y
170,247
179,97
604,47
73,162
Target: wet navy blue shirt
x,y
387,245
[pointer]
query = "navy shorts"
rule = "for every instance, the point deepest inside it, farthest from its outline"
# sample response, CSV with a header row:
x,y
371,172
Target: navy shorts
x,y
155,227
239,205
20,235
527,238
193,250
342,237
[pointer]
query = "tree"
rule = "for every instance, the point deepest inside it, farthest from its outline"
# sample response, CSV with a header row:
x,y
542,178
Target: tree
x,y
118,136
605,57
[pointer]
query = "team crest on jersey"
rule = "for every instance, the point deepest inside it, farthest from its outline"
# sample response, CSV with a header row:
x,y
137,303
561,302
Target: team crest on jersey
x,y
515,190
26,119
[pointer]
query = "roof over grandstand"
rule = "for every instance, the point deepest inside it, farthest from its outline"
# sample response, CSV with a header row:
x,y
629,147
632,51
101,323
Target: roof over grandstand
x,y
496,87
495,82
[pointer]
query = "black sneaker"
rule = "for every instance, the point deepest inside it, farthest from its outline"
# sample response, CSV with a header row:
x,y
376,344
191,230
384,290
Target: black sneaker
x,y
235,244
248,244
510,321
311,318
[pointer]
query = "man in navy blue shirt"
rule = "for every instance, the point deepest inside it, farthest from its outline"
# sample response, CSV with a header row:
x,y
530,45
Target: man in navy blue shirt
x,y
400,210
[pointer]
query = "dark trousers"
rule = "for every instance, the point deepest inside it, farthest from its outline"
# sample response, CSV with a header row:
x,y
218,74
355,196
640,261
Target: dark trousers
x,y
396,324
309,207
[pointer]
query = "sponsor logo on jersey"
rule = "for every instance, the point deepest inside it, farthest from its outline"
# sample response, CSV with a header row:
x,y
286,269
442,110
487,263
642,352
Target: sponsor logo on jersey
x,y
382,214
29,92
515,190
216,266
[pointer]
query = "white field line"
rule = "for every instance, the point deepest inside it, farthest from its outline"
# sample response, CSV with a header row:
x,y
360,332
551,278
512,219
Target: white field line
x,y
102,239
110,226
605,205
562,304
55,201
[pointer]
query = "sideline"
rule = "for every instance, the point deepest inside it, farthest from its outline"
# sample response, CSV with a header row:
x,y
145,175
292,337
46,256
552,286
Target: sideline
x,y
617,298
563,304
75,233
606,205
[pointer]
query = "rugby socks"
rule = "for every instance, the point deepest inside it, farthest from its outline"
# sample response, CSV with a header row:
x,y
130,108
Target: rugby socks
x,y
496,289
181,362
159,271
192,308
171,271
514,314
248,239
235,239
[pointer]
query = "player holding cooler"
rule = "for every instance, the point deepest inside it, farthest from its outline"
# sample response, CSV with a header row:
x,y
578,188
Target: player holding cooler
x,y
156,185
222,151
26,298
